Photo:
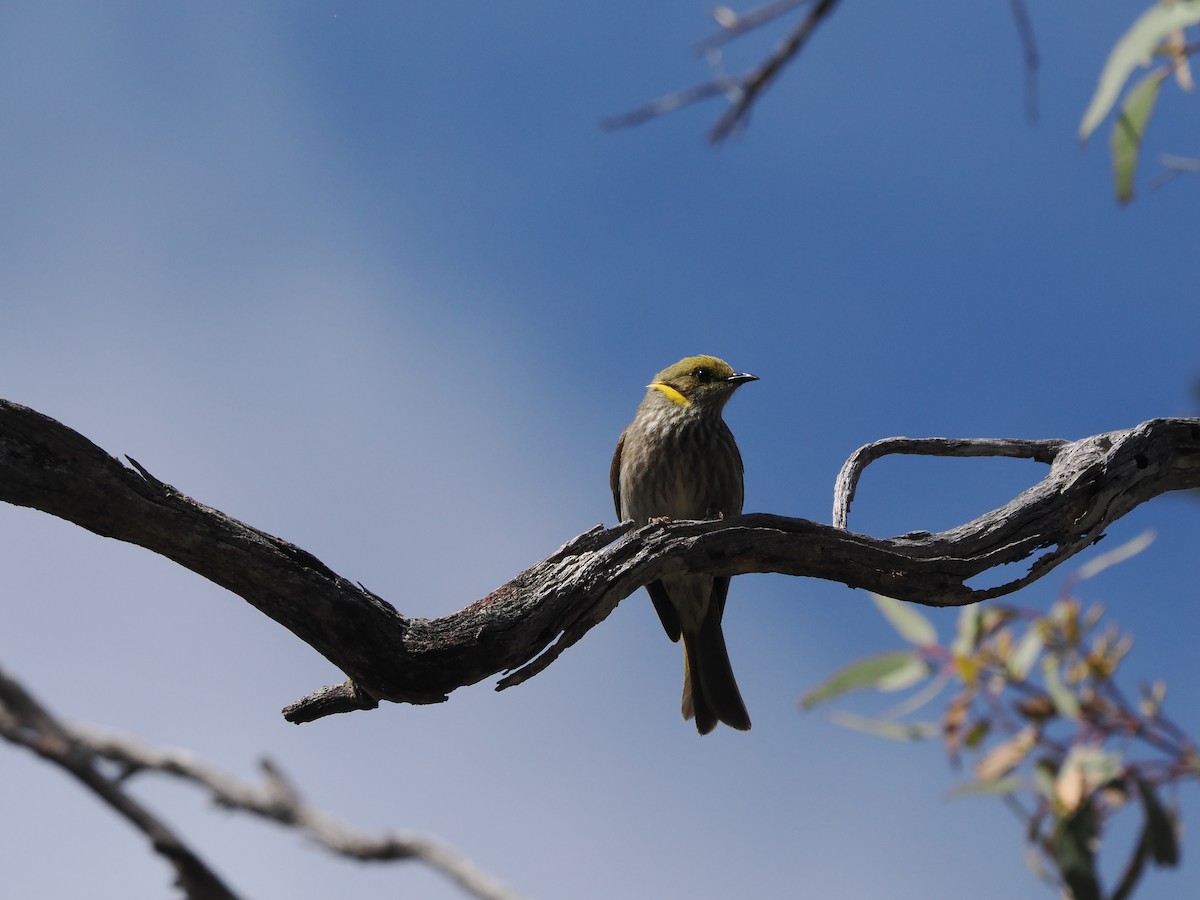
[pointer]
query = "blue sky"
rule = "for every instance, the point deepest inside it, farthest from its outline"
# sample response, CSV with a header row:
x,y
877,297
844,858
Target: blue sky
x,y
369,276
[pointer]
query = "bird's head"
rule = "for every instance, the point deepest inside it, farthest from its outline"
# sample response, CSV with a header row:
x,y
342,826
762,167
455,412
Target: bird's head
x,y
702,381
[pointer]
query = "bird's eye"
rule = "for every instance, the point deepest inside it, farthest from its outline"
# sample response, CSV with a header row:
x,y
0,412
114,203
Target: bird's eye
x,y
702,374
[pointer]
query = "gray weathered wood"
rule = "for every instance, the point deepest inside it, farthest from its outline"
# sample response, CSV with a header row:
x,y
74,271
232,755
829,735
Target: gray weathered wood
x,y
525,624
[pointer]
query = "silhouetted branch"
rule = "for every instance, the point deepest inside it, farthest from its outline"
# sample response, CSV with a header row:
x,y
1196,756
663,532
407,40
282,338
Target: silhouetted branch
x,y
78,748
1173,167
1029,54
742,91
852,469
758,79
25,722
525,624
734,25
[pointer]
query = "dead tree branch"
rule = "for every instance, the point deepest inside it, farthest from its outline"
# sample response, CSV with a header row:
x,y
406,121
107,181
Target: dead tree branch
x,y
743,90
847,480
522,626
78,748
25,722
278,800
1029,55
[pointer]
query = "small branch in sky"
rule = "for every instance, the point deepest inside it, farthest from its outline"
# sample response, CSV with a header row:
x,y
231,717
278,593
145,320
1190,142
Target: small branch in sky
x,y
741,91
79,748
765,73
1173,167
26,723
852,469
1029,52
734,25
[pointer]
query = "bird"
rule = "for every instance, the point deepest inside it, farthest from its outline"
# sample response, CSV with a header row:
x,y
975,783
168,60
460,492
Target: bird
x,y
677,459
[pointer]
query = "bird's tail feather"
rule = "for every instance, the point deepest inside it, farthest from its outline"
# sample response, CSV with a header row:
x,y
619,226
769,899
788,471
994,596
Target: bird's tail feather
x,y
710,693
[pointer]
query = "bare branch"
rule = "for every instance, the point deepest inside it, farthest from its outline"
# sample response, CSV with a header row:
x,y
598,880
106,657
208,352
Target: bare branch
x,y
523,625
277,800
847,480
759,78
1173,167
734,25
1029,54
77,748
669,103
742,91
25,722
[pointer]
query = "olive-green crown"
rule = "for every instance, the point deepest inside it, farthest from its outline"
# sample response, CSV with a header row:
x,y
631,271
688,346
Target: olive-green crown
x,y
699,379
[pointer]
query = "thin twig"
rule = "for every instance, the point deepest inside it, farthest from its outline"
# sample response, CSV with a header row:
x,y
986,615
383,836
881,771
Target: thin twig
x,y
847,479
77,748
667,103
742,91
1173,167
734,25
25,722
278,800
1029,53
764,74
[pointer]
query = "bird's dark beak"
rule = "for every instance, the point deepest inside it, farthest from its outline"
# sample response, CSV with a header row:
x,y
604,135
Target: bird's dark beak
x,y
741,378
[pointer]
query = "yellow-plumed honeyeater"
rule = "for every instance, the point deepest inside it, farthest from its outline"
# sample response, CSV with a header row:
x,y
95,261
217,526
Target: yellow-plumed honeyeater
x,y
678,460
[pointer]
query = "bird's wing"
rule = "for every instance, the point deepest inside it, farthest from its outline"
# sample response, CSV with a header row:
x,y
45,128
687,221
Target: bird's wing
x,y
614,477
667,614
720,590
662,603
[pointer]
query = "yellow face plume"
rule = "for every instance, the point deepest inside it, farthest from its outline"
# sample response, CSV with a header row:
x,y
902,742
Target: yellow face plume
x,y
699,379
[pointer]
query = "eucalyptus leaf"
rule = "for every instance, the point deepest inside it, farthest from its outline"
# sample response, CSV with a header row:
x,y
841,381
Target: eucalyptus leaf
x,y
1075,855
1127,550
1128,130
1025,655
1065,702
888,728
1161,837
990,787
864,673
907,620
913,671
967,633
1135,48
1005,757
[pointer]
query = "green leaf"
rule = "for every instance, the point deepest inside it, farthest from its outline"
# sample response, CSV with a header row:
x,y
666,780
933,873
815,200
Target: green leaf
x,y
1026,654
1003,758
1129,129
1160,835
1044,774
896,731
967,635
1135,48
905,676
1074,853
1085,770
908,622
869,672
989,787
1065,702
976,733
1130,548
